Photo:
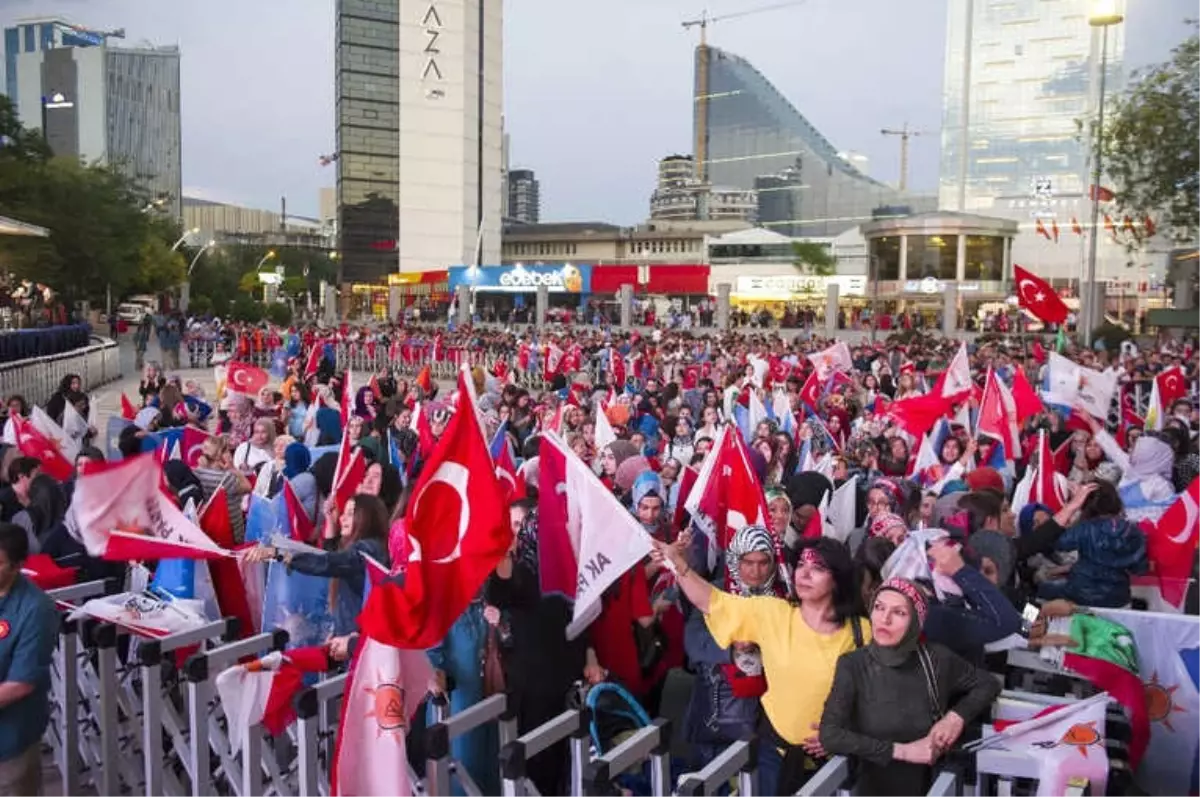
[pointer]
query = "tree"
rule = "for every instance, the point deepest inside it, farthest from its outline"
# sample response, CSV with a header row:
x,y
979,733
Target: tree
x,y
813,258
100,238
279,313
245,308
1150,145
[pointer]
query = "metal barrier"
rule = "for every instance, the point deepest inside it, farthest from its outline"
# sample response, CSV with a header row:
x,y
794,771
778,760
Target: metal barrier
x,y
315,735
739,759
832,778
205,732
37,378
651,743
439,766
571,725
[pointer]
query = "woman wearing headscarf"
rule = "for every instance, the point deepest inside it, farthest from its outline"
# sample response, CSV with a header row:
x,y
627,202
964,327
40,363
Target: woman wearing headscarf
x,y
682,444
71,383
724,705
540,663
897,705
1090,462
799,643
779,507
1146,471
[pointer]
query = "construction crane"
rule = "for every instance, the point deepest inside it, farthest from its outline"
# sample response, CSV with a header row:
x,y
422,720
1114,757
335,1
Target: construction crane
x,y
904,134
701,144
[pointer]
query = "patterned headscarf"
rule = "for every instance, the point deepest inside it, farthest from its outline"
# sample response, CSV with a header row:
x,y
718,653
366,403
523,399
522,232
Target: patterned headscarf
x,y
750,539
886,522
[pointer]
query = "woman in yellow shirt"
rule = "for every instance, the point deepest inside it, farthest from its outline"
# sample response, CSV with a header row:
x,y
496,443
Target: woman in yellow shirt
x,y
800,644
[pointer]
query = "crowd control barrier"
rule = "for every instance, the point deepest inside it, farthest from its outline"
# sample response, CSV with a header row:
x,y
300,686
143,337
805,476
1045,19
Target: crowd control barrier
x,y
206,732
739,760
37,378
651,743
570,726
316,729
440,766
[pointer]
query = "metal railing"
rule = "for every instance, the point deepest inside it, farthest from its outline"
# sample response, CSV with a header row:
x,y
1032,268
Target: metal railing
x,y
37,378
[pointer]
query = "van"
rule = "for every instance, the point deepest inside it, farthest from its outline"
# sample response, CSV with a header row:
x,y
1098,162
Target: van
x,y
131,312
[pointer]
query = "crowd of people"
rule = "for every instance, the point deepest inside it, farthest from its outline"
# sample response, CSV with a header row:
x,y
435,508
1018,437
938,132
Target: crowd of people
x,y
816,642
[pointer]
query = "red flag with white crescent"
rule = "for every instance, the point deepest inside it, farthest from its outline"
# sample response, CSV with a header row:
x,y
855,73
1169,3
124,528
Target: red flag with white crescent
x,y
245,379
1035,295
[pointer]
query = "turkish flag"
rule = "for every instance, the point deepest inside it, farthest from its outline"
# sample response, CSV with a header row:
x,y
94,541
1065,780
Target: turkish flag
x,y
918,414
727,491
1046,488
1025,398
193,445
458,530
245,379
300,525
1035,295
314,361
45,572
425,381
347,404
998,415
1171,543
616,365
1171,386
810,392
32,443
506,470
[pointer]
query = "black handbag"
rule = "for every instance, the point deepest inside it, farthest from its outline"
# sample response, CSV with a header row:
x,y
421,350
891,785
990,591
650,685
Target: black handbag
x,y
651,644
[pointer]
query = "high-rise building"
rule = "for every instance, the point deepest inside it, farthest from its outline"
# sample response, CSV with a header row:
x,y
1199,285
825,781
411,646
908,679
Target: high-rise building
x,y
524,201
1019,79
118,106
780,198
32,35
680,196
745,129
418,134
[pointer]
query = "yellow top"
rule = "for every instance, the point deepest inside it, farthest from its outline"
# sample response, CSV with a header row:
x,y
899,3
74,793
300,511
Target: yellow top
x,y
797,661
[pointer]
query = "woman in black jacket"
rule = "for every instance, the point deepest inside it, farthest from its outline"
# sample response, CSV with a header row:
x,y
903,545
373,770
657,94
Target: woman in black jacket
x,y
897,705
540,664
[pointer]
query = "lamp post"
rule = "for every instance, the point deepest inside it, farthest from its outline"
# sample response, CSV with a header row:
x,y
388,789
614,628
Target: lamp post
x,y
200,254
186,234
1104,15
265,258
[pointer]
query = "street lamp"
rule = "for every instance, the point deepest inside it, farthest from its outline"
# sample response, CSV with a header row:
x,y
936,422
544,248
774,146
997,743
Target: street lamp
x,y
1104,14
184,237
200,254
269,255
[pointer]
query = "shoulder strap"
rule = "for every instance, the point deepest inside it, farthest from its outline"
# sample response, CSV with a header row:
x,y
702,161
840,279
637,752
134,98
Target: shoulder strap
x,y
856,629
935,702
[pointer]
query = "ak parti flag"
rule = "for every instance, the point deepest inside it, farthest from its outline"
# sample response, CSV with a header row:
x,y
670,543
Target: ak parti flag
x,y
1035,295
385,688
123,514
458,529
261,692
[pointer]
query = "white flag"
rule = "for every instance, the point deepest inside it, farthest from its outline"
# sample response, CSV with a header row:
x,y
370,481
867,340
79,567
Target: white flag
x,y
1096,390
74,425
842,508
836,358
604,431
606,538
145,614
54,433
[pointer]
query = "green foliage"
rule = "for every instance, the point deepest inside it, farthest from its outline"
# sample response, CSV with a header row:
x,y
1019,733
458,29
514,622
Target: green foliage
x,y
246,308
99,234
813,258
1151,145
1113,335
200,305
279,314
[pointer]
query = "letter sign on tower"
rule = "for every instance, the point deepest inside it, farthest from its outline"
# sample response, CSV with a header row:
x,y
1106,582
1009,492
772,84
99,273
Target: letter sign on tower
x,y
432,25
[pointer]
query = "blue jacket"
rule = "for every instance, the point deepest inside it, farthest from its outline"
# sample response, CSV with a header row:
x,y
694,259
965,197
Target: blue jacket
x,y
980,616
349,571
1110,550
714,715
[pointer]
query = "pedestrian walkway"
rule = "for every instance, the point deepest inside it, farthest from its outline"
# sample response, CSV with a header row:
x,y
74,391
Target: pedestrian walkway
x,y
108,397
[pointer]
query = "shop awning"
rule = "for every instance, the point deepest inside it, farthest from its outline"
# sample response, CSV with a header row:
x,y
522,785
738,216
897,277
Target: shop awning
x,y
678,280
609,279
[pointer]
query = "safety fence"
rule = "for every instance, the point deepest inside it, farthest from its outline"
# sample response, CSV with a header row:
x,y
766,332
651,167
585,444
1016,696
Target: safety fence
x,y
37,378
137,715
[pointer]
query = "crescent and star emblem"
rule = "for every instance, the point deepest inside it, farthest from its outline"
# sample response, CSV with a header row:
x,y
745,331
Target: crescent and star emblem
x,y
1192,514
456,476
1036,298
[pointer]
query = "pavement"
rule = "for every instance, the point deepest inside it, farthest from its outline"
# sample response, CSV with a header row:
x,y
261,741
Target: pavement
x,y
108,397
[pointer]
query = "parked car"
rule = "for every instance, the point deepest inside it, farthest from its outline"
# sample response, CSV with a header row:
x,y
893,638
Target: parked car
x,y
131,313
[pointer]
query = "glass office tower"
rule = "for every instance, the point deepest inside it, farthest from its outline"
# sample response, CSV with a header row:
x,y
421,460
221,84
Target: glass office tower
x,y
745,129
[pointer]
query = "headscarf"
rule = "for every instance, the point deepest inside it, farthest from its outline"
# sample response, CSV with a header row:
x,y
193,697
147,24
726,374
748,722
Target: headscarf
x,y
888,521
986,479
622,450
647,483
1025,518
747,540
891,489
629,471
898,654
296,459
1150,457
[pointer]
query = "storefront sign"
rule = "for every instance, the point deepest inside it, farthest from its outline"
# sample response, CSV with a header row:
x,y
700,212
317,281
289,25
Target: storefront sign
x,y
785,287
567,278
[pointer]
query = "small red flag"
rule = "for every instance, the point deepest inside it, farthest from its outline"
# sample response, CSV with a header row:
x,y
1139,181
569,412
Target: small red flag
x,y
245,379
128,411
1041,230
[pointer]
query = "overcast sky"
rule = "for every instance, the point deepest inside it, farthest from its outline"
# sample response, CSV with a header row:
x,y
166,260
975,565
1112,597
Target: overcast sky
x,y
595,90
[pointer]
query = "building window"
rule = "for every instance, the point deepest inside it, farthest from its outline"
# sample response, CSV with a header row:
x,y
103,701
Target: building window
x,y
885,257
932,256
985,258
30,39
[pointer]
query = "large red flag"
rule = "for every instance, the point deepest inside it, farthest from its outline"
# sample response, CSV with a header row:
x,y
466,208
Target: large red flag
x,y
1171,386
1036,296
347,405
314,360
193,445
998,416
918,414
300,526
458,530
1046,488
810,393
727,491
955,382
